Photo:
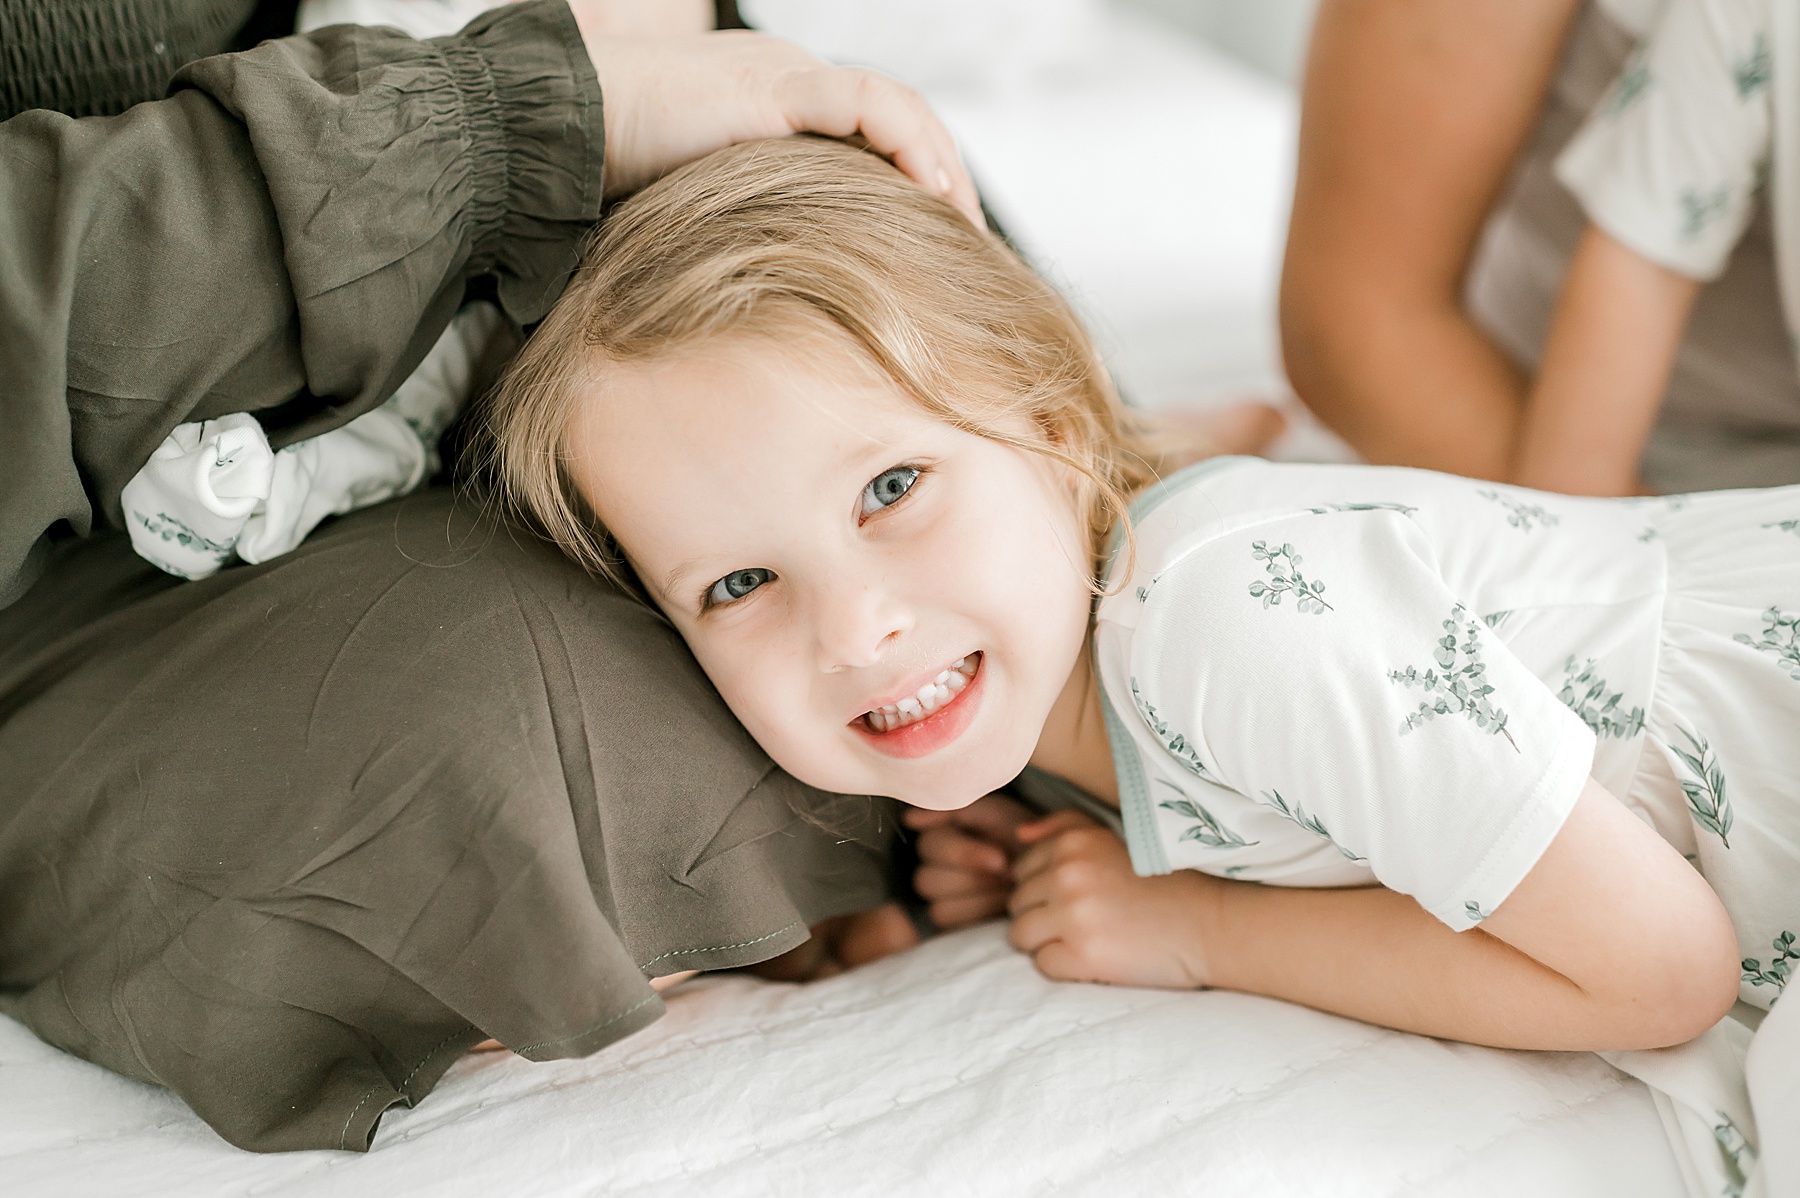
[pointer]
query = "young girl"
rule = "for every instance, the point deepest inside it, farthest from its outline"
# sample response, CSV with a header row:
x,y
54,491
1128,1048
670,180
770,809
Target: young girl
x,y
1421,750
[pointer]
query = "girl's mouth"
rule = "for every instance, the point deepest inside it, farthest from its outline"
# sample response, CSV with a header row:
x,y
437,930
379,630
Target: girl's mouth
x,y
929,719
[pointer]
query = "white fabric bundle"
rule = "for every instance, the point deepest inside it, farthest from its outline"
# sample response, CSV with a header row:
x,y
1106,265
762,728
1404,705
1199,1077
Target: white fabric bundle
x,y
214,490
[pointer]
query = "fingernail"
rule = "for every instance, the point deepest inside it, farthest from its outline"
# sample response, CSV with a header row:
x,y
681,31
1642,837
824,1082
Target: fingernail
x,y
943,181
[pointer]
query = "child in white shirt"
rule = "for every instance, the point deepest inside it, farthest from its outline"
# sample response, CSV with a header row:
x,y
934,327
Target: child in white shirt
x,y
1668,168
1463,759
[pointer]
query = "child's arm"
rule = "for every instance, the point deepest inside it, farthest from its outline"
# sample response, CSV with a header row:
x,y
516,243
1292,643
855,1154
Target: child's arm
x,y
1612,941
1617,327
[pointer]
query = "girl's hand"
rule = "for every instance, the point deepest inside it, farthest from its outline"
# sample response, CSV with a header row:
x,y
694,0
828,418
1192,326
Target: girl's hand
x,y
1084,916
965,858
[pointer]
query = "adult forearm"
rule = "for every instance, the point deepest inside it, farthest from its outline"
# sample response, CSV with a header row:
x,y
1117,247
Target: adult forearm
x,y
287,233
1412,112
1406,384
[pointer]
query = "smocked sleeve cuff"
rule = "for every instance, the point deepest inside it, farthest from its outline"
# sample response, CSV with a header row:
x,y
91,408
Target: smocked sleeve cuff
x,y
532,114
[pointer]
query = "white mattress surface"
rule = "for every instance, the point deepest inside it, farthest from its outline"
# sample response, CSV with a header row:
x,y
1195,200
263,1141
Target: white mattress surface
x,y
951,1070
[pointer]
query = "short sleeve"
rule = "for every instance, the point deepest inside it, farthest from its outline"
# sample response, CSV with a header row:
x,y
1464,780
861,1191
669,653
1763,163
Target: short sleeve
x,y
1670,161
1321,667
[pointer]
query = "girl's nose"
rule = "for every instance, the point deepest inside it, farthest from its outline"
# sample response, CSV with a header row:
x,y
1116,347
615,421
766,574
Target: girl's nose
x,y
856,626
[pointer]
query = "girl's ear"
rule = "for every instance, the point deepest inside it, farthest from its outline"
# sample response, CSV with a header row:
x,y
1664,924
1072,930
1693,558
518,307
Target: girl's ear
x,y
1059,433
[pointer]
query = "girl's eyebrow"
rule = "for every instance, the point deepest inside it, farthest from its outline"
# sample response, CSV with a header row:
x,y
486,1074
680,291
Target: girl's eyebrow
x,y
678,574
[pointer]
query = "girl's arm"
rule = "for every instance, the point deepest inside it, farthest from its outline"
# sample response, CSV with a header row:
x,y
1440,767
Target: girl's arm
x,y
1411,115
1612,941
1617,328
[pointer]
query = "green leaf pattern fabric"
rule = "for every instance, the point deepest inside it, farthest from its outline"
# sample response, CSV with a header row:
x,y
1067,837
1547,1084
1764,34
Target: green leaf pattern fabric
x,y
1521,515
1780,967
1458,684
1296,813
1176,744
1585,693
1705,789
1207,830
1780,639
1282,564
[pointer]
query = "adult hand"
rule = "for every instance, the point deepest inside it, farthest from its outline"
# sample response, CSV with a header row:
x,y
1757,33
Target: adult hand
x,y
1084,916
670,100
965,858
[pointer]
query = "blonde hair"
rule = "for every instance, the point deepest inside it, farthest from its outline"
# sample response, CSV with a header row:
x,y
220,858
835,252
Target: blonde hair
x,y
765,235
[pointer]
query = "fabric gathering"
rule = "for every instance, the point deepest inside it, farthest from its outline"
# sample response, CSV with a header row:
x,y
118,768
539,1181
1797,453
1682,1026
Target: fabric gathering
x,y
900,597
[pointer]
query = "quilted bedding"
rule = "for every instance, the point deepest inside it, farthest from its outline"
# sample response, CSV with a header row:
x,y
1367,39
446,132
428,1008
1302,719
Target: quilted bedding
x,y
951,1070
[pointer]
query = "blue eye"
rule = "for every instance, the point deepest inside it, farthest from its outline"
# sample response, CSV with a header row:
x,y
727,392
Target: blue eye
x,y
736,585
888,488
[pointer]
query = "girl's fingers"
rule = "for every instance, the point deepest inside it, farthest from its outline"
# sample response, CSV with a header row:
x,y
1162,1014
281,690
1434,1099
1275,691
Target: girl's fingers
x,y
1034,861
1057,961
993,817
951,914
1043,838
1052,825
955,849
935,882
1031,931
921,818
1029,895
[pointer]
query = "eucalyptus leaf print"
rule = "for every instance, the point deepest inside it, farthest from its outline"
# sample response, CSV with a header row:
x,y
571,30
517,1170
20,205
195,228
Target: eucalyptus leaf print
x,y
1475,911
1751,73
1780,966
1735,1152
1495,619
1584,693
1700,209
1402,508
1172,740
1521,515
1282,564
1632,83
1458,684
1311,823
1792,526
1206,830
1706,790
170,529
1780,638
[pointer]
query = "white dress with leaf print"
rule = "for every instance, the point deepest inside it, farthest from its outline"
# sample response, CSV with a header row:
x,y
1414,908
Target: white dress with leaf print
x,y
1342,675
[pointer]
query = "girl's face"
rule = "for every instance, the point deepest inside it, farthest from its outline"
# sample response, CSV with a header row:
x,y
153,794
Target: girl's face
x,y
889,605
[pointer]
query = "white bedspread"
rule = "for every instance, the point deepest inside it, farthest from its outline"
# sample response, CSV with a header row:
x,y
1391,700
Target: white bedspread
x,y
951,1070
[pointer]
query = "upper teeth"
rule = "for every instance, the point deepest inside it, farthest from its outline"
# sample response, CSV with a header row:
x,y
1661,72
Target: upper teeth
x,y
930,697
